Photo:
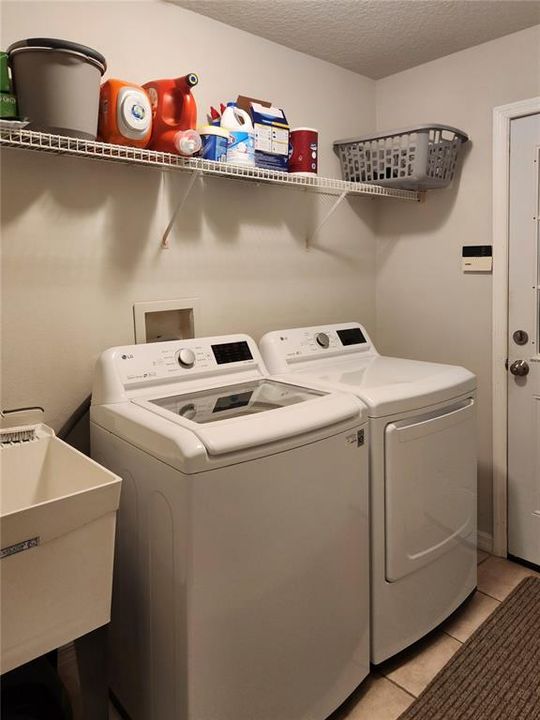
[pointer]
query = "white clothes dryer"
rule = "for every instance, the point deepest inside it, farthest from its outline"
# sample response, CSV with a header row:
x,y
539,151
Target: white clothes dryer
x,y
422,472
241,585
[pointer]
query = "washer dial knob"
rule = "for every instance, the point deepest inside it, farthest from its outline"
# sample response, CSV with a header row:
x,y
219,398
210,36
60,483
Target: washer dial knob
x,y
322,339
186,358
188,411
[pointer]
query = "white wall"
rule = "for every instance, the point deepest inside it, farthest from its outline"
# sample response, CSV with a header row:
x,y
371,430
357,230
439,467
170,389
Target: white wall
x,y
426,307
81,238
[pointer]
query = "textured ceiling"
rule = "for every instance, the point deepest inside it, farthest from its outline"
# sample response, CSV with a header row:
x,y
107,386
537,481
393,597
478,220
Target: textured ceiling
x,y
373,37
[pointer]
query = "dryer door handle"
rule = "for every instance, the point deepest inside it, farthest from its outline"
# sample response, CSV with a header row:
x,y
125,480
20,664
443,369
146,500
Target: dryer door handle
x,y
435,421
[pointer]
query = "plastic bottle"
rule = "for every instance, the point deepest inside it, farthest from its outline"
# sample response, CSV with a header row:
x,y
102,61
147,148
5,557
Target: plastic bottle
x,y
173,109
125,115
241,146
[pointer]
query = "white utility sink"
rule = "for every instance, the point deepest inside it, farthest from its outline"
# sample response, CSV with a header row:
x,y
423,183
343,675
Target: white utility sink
x,y
57,524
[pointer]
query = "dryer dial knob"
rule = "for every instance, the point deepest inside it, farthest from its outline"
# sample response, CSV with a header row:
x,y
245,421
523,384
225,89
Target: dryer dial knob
x,y
322,339
186,358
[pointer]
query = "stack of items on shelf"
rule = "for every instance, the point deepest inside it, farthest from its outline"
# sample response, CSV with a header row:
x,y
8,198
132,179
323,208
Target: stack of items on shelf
x,y
68,99
255,133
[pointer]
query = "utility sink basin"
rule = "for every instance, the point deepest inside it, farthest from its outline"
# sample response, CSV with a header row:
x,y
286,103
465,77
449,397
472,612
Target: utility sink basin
x,y
57,525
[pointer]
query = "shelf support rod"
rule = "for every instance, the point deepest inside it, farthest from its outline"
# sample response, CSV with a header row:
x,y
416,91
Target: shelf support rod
x,y
165,239
334,207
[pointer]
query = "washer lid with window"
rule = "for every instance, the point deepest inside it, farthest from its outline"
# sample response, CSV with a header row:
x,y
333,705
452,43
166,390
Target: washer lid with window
x,y
343,357
209,396
245,415
232,401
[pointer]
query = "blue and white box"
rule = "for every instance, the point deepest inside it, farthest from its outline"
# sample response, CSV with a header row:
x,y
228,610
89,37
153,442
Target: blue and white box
x,y
271,137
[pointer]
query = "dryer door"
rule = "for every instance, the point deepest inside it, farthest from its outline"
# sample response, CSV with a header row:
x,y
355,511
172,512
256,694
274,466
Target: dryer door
x,y
430,487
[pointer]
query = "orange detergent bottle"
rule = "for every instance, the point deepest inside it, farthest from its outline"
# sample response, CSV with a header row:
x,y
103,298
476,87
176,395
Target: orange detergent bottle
x,y
125,115
173,110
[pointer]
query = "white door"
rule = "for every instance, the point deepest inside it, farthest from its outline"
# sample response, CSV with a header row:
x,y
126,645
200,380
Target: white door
x,y
523,342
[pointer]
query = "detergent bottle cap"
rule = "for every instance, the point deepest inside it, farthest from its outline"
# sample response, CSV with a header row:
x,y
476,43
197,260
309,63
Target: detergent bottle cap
x,y
134,113
187,142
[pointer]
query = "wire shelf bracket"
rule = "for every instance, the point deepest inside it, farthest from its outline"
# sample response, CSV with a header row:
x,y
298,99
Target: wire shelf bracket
x,y
165,239
331,211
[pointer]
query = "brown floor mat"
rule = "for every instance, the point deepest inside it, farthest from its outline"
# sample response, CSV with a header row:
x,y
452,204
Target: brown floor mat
x,y
495,675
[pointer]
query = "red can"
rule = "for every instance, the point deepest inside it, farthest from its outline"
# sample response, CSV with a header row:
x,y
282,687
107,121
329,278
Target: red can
x,y
303,151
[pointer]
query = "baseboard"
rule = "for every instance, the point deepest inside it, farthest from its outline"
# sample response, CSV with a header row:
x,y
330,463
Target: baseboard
x,y
484,541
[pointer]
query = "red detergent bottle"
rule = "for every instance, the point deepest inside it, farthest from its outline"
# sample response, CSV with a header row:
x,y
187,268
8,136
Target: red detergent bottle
x,y
173,111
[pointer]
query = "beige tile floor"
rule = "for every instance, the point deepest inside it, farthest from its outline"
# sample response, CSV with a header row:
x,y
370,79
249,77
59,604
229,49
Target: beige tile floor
x,y
392,686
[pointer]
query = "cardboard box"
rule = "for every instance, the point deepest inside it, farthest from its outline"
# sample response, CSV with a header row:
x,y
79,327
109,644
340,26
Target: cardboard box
x,y
244,103
271,133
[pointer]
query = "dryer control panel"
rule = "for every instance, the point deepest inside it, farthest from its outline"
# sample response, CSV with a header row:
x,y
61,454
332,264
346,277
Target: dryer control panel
x,y
283,347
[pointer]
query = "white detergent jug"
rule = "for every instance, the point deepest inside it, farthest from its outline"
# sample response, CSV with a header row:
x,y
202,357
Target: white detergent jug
x,y
241,144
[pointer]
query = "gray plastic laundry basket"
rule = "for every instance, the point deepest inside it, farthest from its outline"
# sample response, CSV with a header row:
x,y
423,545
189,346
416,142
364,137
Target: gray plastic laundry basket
x,y
418,158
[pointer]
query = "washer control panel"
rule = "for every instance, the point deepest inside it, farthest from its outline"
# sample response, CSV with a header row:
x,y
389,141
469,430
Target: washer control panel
x,y
148,363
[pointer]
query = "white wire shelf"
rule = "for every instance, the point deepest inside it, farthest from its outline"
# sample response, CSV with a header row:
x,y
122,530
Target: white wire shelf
x,y
64,145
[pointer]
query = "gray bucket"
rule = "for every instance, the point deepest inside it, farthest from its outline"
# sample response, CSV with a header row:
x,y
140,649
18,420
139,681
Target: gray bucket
x,y
57,85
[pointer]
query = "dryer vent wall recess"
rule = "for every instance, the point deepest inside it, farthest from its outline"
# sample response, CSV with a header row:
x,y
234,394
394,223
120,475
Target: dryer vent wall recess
x,y
163,320
477,258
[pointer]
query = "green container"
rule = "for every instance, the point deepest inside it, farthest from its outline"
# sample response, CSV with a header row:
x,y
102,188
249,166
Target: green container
x,y
5,85
8,106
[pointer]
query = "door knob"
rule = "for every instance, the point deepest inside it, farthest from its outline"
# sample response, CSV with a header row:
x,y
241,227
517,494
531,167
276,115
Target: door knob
x,y
519,367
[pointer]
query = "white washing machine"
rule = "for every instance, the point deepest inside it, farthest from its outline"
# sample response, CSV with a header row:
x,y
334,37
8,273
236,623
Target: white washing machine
x,y
241,586
422,472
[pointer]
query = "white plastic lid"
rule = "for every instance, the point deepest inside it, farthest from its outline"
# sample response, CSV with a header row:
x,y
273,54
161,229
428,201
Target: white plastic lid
x,y
214,130
134,113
